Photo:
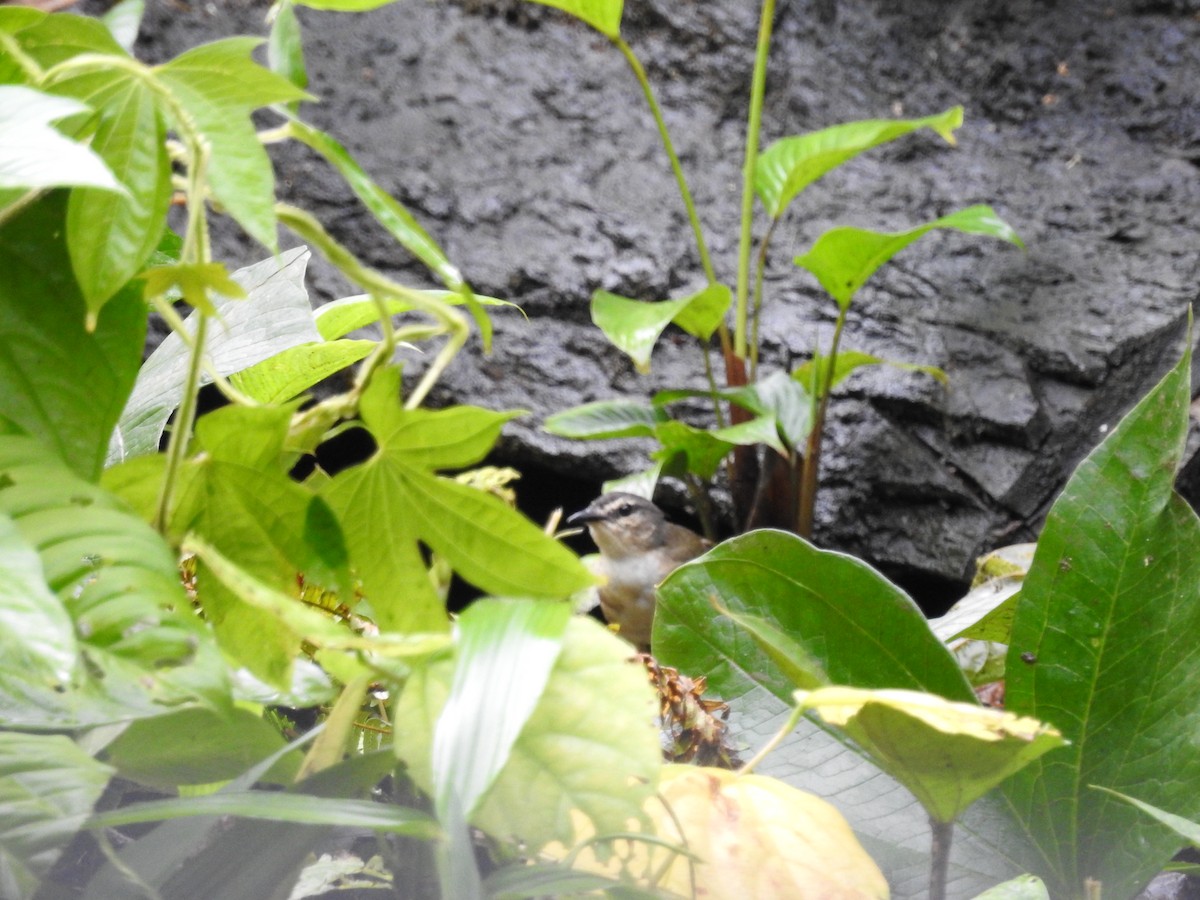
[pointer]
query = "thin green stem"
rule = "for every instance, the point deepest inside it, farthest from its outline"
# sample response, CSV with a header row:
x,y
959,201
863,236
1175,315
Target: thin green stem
x,y
753,128
454,323
812,454
712,383
759,269
195,250
640,73
168,314
12,47
788,727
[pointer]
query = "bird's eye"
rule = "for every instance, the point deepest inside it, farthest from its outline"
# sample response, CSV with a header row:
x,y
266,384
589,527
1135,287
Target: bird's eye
x,y
625,509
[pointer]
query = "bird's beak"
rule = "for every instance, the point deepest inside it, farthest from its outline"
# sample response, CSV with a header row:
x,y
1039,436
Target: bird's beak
x,y
584,516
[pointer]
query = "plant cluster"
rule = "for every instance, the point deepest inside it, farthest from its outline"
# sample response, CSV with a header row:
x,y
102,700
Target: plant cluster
x,y
172,619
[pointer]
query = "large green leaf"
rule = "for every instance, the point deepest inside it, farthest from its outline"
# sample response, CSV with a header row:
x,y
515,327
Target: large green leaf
x,y
112,235
603,15
861,628
237,498
214,88
33,155
392,501
339,318
37,636
194,746
844,258
791,164
275,315
58,381
505,652
597,707
48,786
1102,648
141,650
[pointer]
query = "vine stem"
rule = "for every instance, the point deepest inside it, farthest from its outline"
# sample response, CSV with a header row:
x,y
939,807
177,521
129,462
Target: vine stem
x,y
753,129
812,454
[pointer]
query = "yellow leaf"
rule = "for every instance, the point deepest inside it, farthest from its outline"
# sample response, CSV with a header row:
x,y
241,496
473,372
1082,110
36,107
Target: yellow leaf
x,y
748,836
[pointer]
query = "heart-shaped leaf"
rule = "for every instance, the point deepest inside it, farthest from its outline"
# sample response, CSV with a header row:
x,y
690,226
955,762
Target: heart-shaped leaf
x,y
791,164
844,258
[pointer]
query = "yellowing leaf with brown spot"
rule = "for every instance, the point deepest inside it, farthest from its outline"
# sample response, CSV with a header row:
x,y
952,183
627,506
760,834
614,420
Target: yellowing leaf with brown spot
x,y
747,836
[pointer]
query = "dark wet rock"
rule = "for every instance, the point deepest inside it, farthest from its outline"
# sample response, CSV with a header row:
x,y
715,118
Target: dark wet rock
x,y
520,139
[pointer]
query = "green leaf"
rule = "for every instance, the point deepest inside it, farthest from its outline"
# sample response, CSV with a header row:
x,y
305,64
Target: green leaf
x,y
52,39
699,451
603,15
392,501
112,235
37,636
506,651
791,164
1185,828
193,281
633,326
34,156
597,706
1098,649
787,652
863,631
141,649
705,310
274,806
274,316
850,361
844,258
948,754
217,86
285,49
293,371
195,746
606,419
787,401
985,614
204,855
870,633
123,20
58,381
48,786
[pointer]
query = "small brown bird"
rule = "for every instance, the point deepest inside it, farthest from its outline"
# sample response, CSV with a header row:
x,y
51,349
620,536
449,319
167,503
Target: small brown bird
x,y
638,549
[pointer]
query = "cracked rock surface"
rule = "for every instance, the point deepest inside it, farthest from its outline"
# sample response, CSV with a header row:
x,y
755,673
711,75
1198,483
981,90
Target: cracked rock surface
x,y
520,139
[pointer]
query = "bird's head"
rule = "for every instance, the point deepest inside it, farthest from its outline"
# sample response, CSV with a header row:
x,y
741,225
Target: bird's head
x,y
623,524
